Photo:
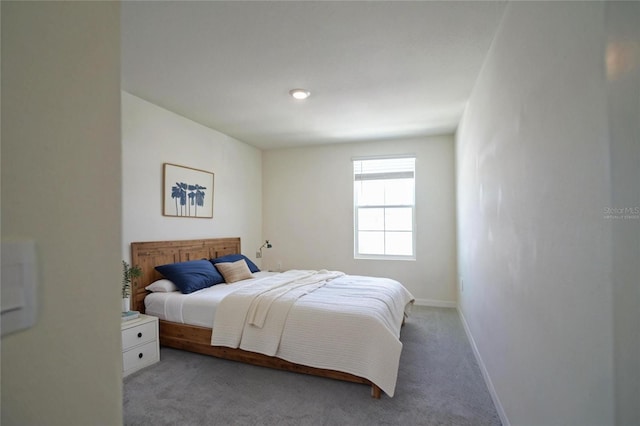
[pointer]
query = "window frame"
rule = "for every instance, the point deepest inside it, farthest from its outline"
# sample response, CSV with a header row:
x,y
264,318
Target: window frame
x,y
367,256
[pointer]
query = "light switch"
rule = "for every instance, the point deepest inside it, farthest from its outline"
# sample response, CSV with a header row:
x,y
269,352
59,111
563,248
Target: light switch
x,y
18,285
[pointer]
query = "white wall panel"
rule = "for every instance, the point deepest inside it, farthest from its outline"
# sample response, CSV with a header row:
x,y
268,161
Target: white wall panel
x,y
308,213
533,179
151,136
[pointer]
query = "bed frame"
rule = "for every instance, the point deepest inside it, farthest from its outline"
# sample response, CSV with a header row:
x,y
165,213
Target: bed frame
x,y
148,255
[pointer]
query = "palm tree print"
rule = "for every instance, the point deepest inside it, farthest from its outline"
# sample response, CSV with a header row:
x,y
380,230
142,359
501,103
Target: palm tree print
x,y
196,198
195,195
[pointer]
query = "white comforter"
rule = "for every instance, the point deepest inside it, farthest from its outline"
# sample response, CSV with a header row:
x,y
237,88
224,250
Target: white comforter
x,y
321,319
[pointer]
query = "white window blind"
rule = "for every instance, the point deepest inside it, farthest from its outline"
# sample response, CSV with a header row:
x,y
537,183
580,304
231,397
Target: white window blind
x,y
384,207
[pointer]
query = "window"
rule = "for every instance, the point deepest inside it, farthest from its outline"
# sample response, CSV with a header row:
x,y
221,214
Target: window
x,y
384,208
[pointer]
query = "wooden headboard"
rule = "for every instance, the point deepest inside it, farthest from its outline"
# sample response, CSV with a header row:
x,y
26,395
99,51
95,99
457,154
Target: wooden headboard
x,y
148,255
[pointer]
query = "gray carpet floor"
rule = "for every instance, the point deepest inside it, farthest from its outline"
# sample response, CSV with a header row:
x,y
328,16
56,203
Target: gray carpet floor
x,y
439,383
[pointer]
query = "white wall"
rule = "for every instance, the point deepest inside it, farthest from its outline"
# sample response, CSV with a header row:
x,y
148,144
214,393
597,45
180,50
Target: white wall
x,y
61,188
623,96
151,136
308,213
535,249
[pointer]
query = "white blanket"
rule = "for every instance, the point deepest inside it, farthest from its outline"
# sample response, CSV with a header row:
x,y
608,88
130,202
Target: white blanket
x,y
321,319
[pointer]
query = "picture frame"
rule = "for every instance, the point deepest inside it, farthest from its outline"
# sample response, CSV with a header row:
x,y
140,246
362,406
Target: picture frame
x,y
187,192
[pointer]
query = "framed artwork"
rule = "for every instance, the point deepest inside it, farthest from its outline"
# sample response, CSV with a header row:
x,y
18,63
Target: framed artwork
x,y
187,192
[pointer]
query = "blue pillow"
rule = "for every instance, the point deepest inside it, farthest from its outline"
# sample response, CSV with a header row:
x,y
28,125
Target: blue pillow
x,y
192,275
234,258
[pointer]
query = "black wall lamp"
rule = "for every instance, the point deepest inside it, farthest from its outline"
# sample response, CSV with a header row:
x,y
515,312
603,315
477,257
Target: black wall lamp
x,y
266,244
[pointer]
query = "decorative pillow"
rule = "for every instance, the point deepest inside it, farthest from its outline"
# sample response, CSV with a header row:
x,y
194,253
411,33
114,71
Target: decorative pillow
x,y
162,286
234,271
234,258
191,275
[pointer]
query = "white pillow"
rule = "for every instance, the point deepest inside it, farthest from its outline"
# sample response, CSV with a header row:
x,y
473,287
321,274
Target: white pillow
x,y
162,286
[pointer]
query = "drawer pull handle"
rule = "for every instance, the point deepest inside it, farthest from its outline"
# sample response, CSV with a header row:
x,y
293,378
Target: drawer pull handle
x,y
139,334
140,355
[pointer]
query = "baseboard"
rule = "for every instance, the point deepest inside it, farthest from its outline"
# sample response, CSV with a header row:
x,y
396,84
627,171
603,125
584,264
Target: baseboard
x,y
435,303
485,373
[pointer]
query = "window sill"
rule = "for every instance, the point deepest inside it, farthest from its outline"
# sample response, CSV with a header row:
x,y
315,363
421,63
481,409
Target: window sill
x,y
374,257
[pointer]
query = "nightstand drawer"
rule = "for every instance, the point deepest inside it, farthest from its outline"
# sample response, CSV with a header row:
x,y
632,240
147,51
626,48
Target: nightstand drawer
x,y
140,334
140,356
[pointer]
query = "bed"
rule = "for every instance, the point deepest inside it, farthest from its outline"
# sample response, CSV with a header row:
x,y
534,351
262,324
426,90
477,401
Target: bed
x,y
180,331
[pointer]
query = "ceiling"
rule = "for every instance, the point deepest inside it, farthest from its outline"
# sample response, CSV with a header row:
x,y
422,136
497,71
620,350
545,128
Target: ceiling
x,y
375,70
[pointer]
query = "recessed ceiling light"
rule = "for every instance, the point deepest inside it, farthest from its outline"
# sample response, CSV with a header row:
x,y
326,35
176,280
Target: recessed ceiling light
x,y
299,94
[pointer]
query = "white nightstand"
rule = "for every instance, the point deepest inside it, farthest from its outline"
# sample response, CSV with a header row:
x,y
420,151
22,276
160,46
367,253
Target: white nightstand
x,y
140,347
